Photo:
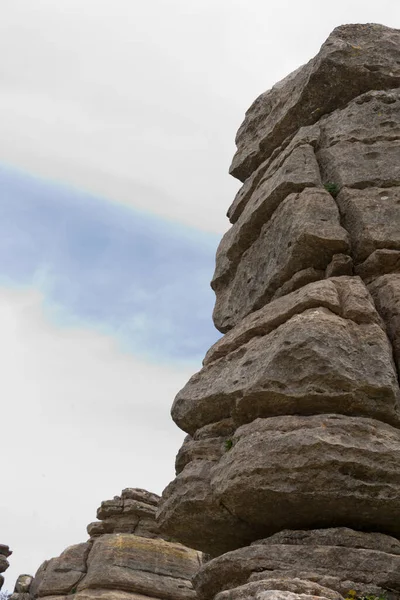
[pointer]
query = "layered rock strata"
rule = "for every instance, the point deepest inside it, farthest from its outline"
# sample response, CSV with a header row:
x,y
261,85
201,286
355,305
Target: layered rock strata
x,y
5,552
289,475
124,559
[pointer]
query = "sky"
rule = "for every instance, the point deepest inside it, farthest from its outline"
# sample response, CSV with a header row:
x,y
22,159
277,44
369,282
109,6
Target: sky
x,y
117,126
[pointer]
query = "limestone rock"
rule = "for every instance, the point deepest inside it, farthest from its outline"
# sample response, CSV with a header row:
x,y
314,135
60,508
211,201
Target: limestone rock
x,y
154,568
22,588
61,575
292,588
371,216
386,293
189,512
132,512
306,137
303,233
318,471
358,165
4,564
277,362
299,171
362,58
331,563
118,565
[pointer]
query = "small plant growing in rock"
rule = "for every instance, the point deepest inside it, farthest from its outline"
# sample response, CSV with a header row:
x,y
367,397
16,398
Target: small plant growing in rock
x,y
228,444
332,188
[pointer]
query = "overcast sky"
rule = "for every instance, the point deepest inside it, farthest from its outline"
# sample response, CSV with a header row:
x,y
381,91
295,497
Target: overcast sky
x,y
117,126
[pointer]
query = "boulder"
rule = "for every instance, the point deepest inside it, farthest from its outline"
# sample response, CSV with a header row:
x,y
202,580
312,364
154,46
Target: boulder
x,y
330,563
277,362
303,233
150,567
307,472
353,60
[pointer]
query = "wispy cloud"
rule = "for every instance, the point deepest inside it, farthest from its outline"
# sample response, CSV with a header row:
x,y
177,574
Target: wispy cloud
x,y
80,421
124,272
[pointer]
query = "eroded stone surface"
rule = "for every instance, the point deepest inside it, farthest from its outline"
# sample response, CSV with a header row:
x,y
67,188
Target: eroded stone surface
x,y
386,293
318,471
292,369
336,566
363,57
189,512
303,233
299,171
130,563
132,512
298,589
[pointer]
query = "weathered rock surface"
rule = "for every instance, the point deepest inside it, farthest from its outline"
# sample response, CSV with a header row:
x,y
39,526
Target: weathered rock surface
x,y
291,588
355,151
293,420
337,559
362,58
5,552
303,233
277,361
118,565
132,512
22,588
386,293
371,216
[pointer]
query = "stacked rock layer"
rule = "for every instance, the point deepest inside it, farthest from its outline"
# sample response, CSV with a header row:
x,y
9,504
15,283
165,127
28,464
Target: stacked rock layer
x,y
5,552
124,559
289,476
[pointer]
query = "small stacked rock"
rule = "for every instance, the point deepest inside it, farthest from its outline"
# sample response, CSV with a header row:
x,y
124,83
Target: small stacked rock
x,y
5,552
289,476
22,588
132,512
115,563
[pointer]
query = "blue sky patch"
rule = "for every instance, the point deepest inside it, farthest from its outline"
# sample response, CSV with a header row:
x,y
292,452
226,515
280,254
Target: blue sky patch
x,y
124,272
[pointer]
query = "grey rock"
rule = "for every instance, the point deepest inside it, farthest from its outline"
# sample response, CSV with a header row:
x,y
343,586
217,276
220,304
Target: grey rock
x,y
303,233
291,588
362,58
358,165
338,567
371,216
305,136
386,293
151,567
291,370
299,171
132,512
334,536
340,265
23,584
61,575
191,514
309,472
379,263
369,118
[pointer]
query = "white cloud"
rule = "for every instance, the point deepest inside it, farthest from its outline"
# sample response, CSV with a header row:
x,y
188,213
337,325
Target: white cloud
x,y
140,101
80,421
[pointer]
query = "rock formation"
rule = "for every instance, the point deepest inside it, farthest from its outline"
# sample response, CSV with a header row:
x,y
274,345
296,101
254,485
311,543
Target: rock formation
x,y
22,588
124,559
289,476
5,552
